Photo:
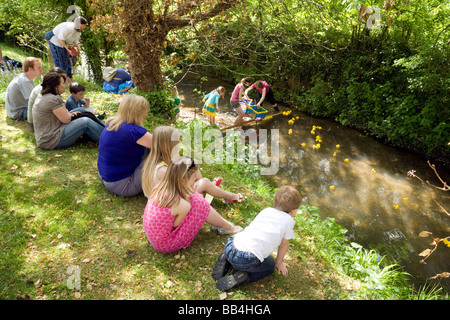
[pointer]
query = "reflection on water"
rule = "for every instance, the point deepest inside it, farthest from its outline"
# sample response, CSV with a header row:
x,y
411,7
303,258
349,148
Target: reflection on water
x,y
371,195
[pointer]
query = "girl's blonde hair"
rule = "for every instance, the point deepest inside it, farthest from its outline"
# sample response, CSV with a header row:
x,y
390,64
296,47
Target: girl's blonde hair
x,y
174,91
132,110
219,89
175,184
162,146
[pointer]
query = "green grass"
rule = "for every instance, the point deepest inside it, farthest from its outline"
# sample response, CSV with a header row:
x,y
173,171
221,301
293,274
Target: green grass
x,y
55,214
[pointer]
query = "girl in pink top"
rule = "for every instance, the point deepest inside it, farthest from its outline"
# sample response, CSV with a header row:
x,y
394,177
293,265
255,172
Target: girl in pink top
x,y
175,213
238,94
263,92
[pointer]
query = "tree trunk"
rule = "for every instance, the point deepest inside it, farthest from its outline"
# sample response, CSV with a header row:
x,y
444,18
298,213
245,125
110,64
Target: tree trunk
x,y
145,33
145,37
144,62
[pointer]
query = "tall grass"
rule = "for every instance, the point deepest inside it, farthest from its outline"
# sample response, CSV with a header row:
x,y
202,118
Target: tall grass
x,y
374,278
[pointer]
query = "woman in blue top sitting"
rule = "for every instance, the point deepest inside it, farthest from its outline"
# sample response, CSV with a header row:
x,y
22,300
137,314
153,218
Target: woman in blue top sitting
x,y
120,83
123,147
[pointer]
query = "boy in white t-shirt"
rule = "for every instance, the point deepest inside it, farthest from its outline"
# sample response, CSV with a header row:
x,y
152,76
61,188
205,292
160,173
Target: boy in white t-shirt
x,y
249,252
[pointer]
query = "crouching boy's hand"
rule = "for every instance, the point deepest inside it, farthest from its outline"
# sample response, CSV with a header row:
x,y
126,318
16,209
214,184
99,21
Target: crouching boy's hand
x,y
280,266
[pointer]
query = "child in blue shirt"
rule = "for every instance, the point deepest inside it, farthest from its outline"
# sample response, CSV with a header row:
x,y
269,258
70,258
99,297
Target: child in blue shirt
x,y
76,101
211,105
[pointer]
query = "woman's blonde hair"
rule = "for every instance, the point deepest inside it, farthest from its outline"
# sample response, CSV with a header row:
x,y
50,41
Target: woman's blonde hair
x,y
132,110
163,143
175,184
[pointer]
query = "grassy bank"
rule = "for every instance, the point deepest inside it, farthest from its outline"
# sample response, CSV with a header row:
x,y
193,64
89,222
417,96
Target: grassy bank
x,y
59,224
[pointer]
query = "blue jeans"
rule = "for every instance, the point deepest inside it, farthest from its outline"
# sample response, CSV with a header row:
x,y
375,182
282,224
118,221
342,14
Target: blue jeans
x,y
77,109
76,128
61,58
23,116
248,262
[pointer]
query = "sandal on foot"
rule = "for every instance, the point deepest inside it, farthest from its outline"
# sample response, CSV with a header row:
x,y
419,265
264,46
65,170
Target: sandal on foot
x,y
214,229
221,268
240,198
221,231
217,181
229,282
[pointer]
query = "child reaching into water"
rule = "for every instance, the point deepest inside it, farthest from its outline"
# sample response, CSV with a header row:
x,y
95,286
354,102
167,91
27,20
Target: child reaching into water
x,y
211,105
249,252
165,147
263,92
175,212
237,95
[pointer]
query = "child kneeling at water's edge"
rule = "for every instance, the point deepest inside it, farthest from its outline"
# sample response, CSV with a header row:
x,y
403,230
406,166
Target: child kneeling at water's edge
x,y
249,252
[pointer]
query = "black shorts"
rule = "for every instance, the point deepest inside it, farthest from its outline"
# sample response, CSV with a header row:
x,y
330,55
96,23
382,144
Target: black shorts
x,y
269,97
